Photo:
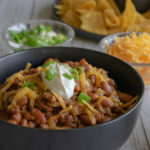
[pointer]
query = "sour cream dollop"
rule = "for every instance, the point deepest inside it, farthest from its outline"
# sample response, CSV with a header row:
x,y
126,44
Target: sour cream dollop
x,y
60,84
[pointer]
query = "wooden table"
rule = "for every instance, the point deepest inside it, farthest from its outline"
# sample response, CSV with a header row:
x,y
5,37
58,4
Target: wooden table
x,y
12,11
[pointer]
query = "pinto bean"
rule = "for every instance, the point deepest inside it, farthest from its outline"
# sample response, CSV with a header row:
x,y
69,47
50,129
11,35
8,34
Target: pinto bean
x,y
12,121
69,119
77,109
98,117
107,103
31,124
85,120
24,122
124,97
104,73
17,116
28,116
112,83
93,96
107,88
23,101
66,118
14,109
39,116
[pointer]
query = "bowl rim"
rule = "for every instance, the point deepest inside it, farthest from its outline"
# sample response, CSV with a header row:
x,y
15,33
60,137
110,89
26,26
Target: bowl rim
x,y
121,34
140,99
69,28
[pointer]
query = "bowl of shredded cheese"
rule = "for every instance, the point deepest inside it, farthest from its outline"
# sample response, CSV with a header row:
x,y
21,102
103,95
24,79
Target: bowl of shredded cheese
x,y
131,47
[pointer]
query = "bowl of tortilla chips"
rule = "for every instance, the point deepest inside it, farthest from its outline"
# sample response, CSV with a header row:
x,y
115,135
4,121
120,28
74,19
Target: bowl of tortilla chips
x,y
98,18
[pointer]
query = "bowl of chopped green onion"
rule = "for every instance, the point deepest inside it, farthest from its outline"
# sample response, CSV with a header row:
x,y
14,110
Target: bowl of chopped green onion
x,y
38,33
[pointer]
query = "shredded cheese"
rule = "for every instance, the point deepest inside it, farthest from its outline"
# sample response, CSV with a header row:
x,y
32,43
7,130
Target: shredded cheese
x,y
130,102
83,82
21,93
28,66
90,107
91,116
9,81
51,120
60,99
134,49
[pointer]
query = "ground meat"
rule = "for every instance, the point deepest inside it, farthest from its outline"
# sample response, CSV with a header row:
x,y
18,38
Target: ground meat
x,y
2,85
49,96
15,84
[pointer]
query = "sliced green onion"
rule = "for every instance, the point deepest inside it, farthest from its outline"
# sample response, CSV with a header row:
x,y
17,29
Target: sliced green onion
x,y
34,40
39,29
84,97
75,73
48,63
50,74
68,76
48,28
35,37
80,68
30,85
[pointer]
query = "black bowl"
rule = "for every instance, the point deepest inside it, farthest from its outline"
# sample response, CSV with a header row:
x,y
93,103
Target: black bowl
x,y
105,136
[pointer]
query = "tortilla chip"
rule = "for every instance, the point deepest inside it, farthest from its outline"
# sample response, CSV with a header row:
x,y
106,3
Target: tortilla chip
x,y
71,17
139,18
129,15
86,6
103,4
111,19
92,21
114,6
